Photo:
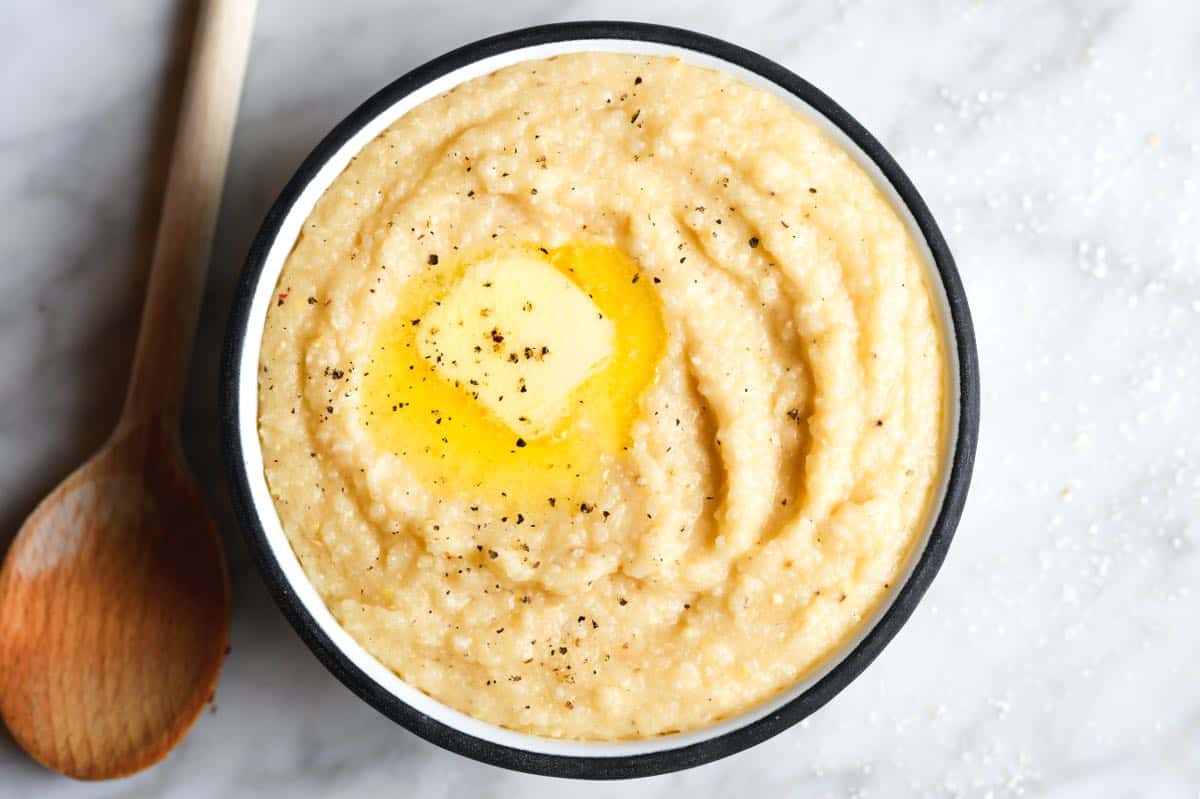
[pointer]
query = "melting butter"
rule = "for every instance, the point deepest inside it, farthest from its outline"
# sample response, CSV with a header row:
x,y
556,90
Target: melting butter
x,y
520,337
603,334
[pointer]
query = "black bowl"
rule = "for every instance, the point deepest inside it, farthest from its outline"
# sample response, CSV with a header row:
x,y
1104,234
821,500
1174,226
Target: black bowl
x,y
366,677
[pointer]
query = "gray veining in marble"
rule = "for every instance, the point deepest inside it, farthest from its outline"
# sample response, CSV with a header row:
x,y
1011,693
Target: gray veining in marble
x,y
1059,145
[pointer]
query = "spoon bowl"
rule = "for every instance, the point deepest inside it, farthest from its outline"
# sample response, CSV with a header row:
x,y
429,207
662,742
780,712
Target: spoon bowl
x,y
114,608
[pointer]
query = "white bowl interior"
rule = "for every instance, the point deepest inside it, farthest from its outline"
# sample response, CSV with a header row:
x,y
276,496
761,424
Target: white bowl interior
x,y
247,410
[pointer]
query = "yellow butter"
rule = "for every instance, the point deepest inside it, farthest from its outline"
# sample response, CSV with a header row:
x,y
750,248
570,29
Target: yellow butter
x,y
590,306
519,337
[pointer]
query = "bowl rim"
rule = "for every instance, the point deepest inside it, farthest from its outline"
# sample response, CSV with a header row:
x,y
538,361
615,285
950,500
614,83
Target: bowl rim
x,y
841,673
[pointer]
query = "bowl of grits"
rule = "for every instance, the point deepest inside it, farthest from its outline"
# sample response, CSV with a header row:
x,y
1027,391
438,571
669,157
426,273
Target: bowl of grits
x,y
599,399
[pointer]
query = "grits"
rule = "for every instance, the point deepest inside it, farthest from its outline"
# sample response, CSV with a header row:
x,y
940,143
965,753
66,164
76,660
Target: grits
x,y
725,388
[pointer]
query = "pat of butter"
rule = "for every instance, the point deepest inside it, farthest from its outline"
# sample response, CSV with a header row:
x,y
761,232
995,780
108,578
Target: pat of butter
x,y
519,336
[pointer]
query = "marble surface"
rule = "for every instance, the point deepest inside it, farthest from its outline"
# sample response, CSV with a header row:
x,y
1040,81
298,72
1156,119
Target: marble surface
x,y
1059,145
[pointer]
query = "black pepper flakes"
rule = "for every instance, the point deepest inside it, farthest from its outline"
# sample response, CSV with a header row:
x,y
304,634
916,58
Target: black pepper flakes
x,y
433,259
521,442
753,242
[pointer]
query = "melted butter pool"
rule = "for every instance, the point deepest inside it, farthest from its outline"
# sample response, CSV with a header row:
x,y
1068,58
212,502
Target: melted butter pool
x,y
470,335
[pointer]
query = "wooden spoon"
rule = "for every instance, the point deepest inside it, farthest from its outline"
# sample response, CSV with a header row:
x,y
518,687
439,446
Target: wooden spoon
x,y
114,601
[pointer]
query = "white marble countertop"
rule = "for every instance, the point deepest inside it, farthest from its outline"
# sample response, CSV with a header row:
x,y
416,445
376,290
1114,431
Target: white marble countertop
x,y
1059,145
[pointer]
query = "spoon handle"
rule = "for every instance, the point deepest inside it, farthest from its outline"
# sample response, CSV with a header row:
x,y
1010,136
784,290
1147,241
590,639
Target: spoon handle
x,y
189,213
